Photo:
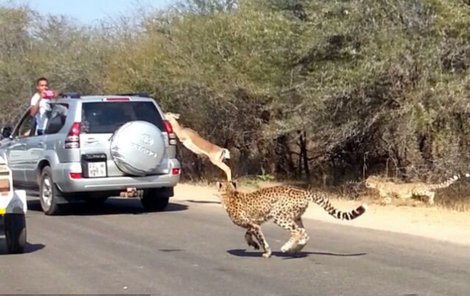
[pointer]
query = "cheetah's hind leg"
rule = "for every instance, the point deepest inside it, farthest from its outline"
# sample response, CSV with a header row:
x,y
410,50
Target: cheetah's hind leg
x,y
296,243
298,238
302,237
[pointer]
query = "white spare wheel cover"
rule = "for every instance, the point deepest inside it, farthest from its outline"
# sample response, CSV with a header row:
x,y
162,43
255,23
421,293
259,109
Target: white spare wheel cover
x,y
137,148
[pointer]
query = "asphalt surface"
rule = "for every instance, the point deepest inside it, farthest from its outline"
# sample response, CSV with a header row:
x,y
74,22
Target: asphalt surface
x,y
194,249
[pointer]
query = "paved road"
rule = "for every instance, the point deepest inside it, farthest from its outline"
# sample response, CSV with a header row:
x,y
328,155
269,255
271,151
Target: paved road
x,y
193,249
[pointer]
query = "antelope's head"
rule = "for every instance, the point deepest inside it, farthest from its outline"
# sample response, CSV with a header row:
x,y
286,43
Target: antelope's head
x,y
171,116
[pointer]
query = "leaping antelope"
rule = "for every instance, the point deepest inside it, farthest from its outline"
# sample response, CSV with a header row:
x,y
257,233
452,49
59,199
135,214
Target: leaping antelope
x,y
194,142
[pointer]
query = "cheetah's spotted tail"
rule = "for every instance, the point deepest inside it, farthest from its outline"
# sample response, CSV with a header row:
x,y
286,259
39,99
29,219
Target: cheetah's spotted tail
x,y
322,200
448,182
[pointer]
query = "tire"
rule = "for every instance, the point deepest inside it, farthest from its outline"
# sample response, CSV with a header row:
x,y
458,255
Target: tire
x,y
137,148
155,199
48,193
15,232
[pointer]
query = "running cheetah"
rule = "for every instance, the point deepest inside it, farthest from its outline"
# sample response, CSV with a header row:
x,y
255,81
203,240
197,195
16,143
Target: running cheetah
x,y
284,204
388,189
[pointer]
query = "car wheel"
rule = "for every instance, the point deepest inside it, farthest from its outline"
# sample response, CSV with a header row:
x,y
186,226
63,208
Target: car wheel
x,y
48,193
155,199
15,232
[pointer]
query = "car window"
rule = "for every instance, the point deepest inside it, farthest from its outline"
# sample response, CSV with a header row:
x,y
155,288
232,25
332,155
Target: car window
x,y
106,117
26,127
57,117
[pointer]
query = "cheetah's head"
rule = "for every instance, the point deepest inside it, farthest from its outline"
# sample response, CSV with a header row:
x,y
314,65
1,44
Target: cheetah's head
x,y
371,182
226,186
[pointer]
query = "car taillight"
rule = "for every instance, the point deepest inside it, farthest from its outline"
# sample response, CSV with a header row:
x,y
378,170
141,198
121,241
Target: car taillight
x,y
170,132
175,171
75,175
168,127
73,137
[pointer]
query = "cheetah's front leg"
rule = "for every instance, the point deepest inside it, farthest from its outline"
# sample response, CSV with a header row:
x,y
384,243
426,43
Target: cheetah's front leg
x,y
249,239
256,230
431,197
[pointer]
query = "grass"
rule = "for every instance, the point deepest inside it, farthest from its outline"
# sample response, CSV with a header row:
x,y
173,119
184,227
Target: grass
x,y
455,197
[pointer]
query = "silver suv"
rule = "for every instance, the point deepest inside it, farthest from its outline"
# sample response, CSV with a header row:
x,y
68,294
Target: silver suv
x,y
95,147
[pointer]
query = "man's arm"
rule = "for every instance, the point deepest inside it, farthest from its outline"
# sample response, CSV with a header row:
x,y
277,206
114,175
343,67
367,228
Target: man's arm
x,y
35,100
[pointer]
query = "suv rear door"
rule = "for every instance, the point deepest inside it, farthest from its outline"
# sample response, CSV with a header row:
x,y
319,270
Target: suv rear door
x,y
100,119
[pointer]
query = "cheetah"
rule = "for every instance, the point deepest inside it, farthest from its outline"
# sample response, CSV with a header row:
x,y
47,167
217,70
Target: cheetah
x,y
404,191
284,204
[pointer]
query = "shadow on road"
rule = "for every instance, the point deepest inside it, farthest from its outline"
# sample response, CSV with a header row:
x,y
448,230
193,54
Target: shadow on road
x,y
29,248
170,250
113,206
203,201
245,253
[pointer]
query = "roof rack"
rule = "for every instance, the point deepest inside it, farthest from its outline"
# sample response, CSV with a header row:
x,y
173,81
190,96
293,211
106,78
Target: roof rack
x,y
137,94
70,95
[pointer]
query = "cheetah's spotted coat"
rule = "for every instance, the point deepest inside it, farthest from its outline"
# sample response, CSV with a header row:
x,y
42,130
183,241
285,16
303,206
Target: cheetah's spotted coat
x,y
284,204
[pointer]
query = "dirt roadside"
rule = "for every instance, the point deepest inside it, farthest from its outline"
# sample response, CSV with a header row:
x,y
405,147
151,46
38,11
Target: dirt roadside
x,y
431,222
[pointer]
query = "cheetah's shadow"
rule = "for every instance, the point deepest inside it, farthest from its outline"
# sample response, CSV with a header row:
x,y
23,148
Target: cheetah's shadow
x,y
246,253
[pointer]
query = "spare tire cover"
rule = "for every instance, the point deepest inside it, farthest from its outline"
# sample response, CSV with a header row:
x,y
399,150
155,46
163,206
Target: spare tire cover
x,y
137,148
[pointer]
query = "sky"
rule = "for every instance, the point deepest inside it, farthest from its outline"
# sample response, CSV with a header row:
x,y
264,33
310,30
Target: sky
x,y
87,11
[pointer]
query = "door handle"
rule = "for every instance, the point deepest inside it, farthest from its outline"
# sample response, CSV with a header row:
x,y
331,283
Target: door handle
x,y
91,140
42,144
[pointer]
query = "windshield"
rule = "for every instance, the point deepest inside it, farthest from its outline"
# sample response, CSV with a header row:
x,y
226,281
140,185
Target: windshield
x,y
106,117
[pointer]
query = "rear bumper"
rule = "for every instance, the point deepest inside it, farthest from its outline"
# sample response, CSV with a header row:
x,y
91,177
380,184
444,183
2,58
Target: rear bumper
x,y
69,185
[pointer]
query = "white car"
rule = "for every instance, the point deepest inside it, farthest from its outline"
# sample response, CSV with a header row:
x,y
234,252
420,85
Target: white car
x,y
13,209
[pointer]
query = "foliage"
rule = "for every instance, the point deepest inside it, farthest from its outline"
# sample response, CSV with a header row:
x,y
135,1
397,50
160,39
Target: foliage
x,y
320,89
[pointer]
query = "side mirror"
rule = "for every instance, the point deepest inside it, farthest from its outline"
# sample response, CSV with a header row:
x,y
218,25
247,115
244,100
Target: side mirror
x,y
6,131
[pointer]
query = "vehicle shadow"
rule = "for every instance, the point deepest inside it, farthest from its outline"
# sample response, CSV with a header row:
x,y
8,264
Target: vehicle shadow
x,y
113,206
302,254
29,248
